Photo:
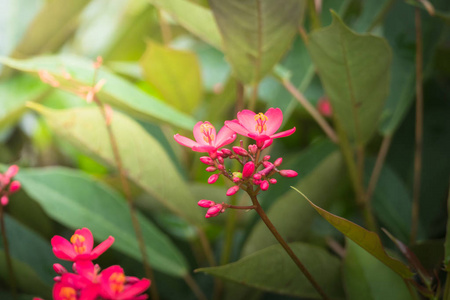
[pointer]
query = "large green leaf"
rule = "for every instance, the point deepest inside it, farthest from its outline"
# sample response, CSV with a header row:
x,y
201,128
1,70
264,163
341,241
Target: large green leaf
x,y
195,18
256,33
292,217
14,93
367,278
366,239
271,269
175,73
354,70
144,159
116,91
76,200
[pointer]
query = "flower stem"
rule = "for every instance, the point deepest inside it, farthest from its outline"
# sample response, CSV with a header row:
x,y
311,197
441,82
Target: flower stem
x,y
285,245
12,277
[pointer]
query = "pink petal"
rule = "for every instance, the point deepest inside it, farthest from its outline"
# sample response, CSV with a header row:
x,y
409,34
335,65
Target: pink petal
x,y
102,247
204,148
62,248
236,127
135,289
90,292
89,240
283,133
184,141
258,137
198,135
224,136
247,119
274,120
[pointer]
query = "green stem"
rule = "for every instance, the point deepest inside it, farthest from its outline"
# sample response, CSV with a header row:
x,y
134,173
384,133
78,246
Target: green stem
x,y
12,277
447,288
229,232
285,245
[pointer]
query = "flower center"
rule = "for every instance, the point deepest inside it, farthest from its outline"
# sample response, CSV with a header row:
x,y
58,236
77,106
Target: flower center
x,y
78,243
68,293
116,282
261,120
207,131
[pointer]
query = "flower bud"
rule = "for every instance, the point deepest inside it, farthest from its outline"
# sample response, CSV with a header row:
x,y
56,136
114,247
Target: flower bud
x,y
206,160
59,269
252,149
278,161
214,211
266,157
220,167
267,164
264,185
220,159
213,178
4,200
14,186
257,176
206,203
12,171
248,170
288,173
267,170
236,179
211,169
240,151
213,154
226,152
232,190
256,181
219,153
272,180
237,175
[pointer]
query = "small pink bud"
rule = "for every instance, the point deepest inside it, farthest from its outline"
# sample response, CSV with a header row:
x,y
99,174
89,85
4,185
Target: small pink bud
x,y
213,178
211,169
267,164
264,185
248,170
206,203
214,211
219,153
278,161
266,157
226,152
240,151
12,171
4,180
256,181
4,200
272,180
220,167
232,190
213,155
14,187
236,179
252,148
220,159
59,269
267,170
288,173
206,160
324,106
257,176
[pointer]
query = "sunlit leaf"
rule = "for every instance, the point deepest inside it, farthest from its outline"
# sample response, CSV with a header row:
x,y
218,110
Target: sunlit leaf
x,y
144,159
354,70
256,33
77,201
368,240
281,275
367,278
116,91
175,73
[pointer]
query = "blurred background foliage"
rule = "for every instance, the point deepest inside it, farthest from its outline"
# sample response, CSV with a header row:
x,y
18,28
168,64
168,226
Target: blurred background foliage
x,y
170,63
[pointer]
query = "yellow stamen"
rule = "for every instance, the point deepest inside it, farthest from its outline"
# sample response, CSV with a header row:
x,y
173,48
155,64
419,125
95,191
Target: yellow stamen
x,y
206,129
116,282
261,120
78,243
67,293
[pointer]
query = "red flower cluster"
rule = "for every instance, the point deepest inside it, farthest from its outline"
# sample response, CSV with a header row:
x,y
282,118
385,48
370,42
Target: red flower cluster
x,y
88,282
8,187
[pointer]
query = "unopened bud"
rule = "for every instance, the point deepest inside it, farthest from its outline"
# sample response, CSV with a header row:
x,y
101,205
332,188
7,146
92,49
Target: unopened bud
x,y
59,269
257,176
211,169
206,160
213,178
232,190
272,180
264,185
221,167
214,211
220,159
256,181
248,170
219,153
236,179
226,152
267,170
12,171
206,203
267,164
252,149
288,173
14,186
278,161
4,200
213,154
266,157
240,151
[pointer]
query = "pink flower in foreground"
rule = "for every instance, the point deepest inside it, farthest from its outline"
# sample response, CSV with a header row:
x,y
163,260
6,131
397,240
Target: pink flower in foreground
x,y
206,139
260,127
116,286
80,246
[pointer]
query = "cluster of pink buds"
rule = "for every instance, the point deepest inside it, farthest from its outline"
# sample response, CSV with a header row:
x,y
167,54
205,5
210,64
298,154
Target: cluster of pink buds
x,y
88,281
8,186
257,171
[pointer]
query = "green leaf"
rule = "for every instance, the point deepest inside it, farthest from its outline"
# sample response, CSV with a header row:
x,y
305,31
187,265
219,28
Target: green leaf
x,y
144,159
175,73
281,275
76,200
256,33
367,278
372,11
195,18
292,217
354,70
368,240
14,93
116,91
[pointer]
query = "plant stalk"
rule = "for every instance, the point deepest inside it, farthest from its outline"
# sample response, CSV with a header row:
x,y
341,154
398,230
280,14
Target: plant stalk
x,y
12,277
447,288
285,246
194,287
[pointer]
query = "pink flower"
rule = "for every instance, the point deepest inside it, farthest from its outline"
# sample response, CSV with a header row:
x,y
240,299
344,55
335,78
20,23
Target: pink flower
x,y
115,285
260,127
80,246
324,106
206,139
